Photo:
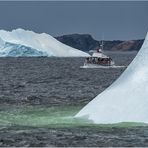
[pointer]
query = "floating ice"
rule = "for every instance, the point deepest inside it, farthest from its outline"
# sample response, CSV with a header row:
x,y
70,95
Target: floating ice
x,y
126,100
43,43
8,49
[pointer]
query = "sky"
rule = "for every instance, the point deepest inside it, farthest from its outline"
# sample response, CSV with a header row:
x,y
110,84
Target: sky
x,y
115,20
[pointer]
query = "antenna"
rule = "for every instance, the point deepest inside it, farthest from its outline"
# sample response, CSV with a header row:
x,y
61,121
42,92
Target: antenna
x,y
102,42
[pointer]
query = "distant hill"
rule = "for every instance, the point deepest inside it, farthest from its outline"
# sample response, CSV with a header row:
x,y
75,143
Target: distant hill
x,y
86,42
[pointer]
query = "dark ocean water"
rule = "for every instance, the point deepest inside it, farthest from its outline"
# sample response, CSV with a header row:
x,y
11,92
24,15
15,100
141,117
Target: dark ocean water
x,y
54,81
39,96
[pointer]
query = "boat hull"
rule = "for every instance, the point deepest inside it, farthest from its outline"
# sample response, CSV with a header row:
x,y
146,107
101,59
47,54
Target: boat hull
x,y
100,66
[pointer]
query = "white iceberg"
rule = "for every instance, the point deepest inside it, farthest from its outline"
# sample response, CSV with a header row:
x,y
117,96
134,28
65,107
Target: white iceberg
x,y
42,43
8,49
126,100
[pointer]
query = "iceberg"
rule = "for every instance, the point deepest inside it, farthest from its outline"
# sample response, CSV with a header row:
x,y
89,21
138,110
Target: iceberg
x,y
16,50
37,44
126,100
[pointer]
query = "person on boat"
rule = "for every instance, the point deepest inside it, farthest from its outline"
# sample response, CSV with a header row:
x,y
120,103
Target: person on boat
x,y
90,59
98,50
93,60
96,60
87,60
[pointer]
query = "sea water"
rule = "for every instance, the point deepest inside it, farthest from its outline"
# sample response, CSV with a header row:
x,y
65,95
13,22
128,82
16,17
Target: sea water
x,y
40,96
50,91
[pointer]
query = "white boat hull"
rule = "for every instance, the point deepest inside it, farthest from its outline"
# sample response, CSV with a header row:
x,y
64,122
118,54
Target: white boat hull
x,y
100,66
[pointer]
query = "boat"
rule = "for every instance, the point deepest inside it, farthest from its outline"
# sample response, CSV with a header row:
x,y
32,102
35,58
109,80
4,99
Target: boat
x,y
98,59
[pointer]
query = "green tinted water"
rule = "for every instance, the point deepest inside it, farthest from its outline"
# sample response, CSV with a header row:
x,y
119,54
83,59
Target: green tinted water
x,y
49,117
40,116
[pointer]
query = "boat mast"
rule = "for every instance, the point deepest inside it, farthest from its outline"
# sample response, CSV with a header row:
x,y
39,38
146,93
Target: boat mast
x,y
102,42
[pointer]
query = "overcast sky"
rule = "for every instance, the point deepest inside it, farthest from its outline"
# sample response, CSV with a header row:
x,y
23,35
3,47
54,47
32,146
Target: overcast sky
x,y
116,20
